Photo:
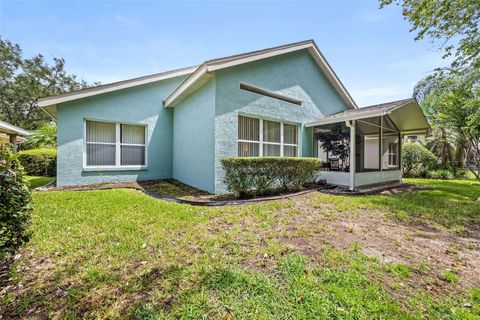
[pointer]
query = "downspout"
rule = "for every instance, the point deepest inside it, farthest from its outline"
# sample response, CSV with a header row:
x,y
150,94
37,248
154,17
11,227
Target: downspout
x,y
351,124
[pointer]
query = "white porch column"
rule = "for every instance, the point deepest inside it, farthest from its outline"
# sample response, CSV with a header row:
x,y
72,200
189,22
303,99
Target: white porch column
x,y
351,124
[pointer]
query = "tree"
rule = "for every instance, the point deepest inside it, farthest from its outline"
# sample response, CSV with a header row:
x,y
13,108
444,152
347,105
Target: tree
x,y
23,81
336,142
453,23
452,104
44,137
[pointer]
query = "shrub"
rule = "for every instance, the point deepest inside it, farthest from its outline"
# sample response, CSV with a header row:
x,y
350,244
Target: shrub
x,y
441,174
253,176
15,201
39,162
416,156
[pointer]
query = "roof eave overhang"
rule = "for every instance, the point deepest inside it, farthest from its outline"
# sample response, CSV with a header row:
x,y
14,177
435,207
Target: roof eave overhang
x,y
210,67
11,129
376,113
55,100
346,118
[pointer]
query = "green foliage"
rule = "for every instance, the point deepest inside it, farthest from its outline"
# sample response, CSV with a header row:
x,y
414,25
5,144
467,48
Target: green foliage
x,y
25,80
152,259
44,137
452,105
441,174
336,141
38,181
450,276
453,23
15,201
39,162
415,156
253,176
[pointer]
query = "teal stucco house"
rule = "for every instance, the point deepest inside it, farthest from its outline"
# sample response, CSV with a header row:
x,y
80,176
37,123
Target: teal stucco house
x,y
179,124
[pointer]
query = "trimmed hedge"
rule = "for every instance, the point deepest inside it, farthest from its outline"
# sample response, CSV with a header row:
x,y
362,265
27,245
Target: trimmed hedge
x,y
39,162
254,176
15,199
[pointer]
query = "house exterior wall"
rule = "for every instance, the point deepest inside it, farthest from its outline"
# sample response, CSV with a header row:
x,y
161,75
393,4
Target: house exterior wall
x,y
193,138
142,105
295,75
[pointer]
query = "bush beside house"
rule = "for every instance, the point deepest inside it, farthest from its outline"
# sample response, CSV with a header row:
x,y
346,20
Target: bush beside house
x,y
416,158
15,210
39,162
255,176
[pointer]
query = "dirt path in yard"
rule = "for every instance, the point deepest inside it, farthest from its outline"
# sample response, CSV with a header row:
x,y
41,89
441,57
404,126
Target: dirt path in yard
x,y
388,240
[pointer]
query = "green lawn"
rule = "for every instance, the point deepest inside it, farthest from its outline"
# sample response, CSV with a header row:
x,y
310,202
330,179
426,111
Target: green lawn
x,y
38,181
121,254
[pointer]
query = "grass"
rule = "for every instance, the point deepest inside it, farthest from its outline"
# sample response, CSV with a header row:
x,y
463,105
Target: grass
x,y
121,254
449,205
38,181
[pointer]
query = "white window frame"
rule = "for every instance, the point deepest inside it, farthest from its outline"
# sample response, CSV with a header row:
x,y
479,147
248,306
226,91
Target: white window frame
x,y
261,142
392,154
118,144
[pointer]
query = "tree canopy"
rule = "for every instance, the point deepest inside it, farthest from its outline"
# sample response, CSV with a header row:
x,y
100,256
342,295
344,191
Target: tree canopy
x,y
24,80
453,24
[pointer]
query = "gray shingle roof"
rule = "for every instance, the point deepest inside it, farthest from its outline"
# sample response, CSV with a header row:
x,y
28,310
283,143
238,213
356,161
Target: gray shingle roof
x,y
377,107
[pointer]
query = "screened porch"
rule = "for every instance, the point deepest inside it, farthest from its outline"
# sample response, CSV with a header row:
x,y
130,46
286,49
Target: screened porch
x,y
362,147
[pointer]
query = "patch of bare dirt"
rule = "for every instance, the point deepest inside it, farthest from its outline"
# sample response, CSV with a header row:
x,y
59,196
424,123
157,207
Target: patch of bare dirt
x,y
389,241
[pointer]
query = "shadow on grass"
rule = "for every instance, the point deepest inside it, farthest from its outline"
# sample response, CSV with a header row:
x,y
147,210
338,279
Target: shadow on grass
x,y
450,204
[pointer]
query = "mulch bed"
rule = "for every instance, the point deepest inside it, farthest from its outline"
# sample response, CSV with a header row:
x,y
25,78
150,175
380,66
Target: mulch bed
x,y
175,191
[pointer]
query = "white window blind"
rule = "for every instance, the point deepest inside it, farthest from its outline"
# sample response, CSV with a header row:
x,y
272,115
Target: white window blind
x,y
114,144
258,137
101,143
248,137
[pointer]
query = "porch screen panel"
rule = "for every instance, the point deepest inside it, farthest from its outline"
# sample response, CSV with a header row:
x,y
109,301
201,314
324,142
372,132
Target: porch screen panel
x,y
100,143
132,145
248,137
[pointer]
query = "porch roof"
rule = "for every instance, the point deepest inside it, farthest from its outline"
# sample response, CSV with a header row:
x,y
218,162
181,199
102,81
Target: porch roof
x,y
10,129
406,115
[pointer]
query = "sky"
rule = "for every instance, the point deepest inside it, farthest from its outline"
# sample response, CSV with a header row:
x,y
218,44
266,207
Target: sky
x,y
370,49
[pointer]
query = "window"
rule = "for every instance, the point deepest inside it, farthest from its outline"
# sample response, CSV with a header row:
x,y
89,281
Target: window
x,y
412,138
392,154
258,137
110,144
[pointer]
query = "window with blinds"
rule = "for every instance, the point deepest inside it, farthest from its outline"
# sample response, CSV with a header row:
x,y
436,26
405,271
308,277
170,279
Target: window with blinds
x,y
258,137
114,144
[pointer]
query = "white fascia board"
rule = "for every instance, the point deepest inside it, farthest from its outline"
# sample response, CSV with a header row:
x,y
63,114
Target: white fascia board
x,y
213,66
185,85
255,57
332,76
111,87
346,118
11,129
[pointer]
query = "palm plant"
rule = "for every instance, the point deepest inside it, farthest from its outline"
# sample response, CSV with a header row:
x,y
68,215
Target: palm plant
x,y
44,137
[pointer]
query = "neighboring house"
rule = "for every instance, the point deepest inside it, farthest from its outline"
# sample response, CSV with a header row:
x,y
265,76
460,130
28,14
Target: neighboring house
x,y
420,138
12,134
180,124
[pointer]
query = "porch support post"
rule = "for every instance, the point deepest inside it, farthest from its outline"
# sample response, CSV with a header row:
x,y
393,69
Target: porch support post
x,y
380,145
351,124
13,141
